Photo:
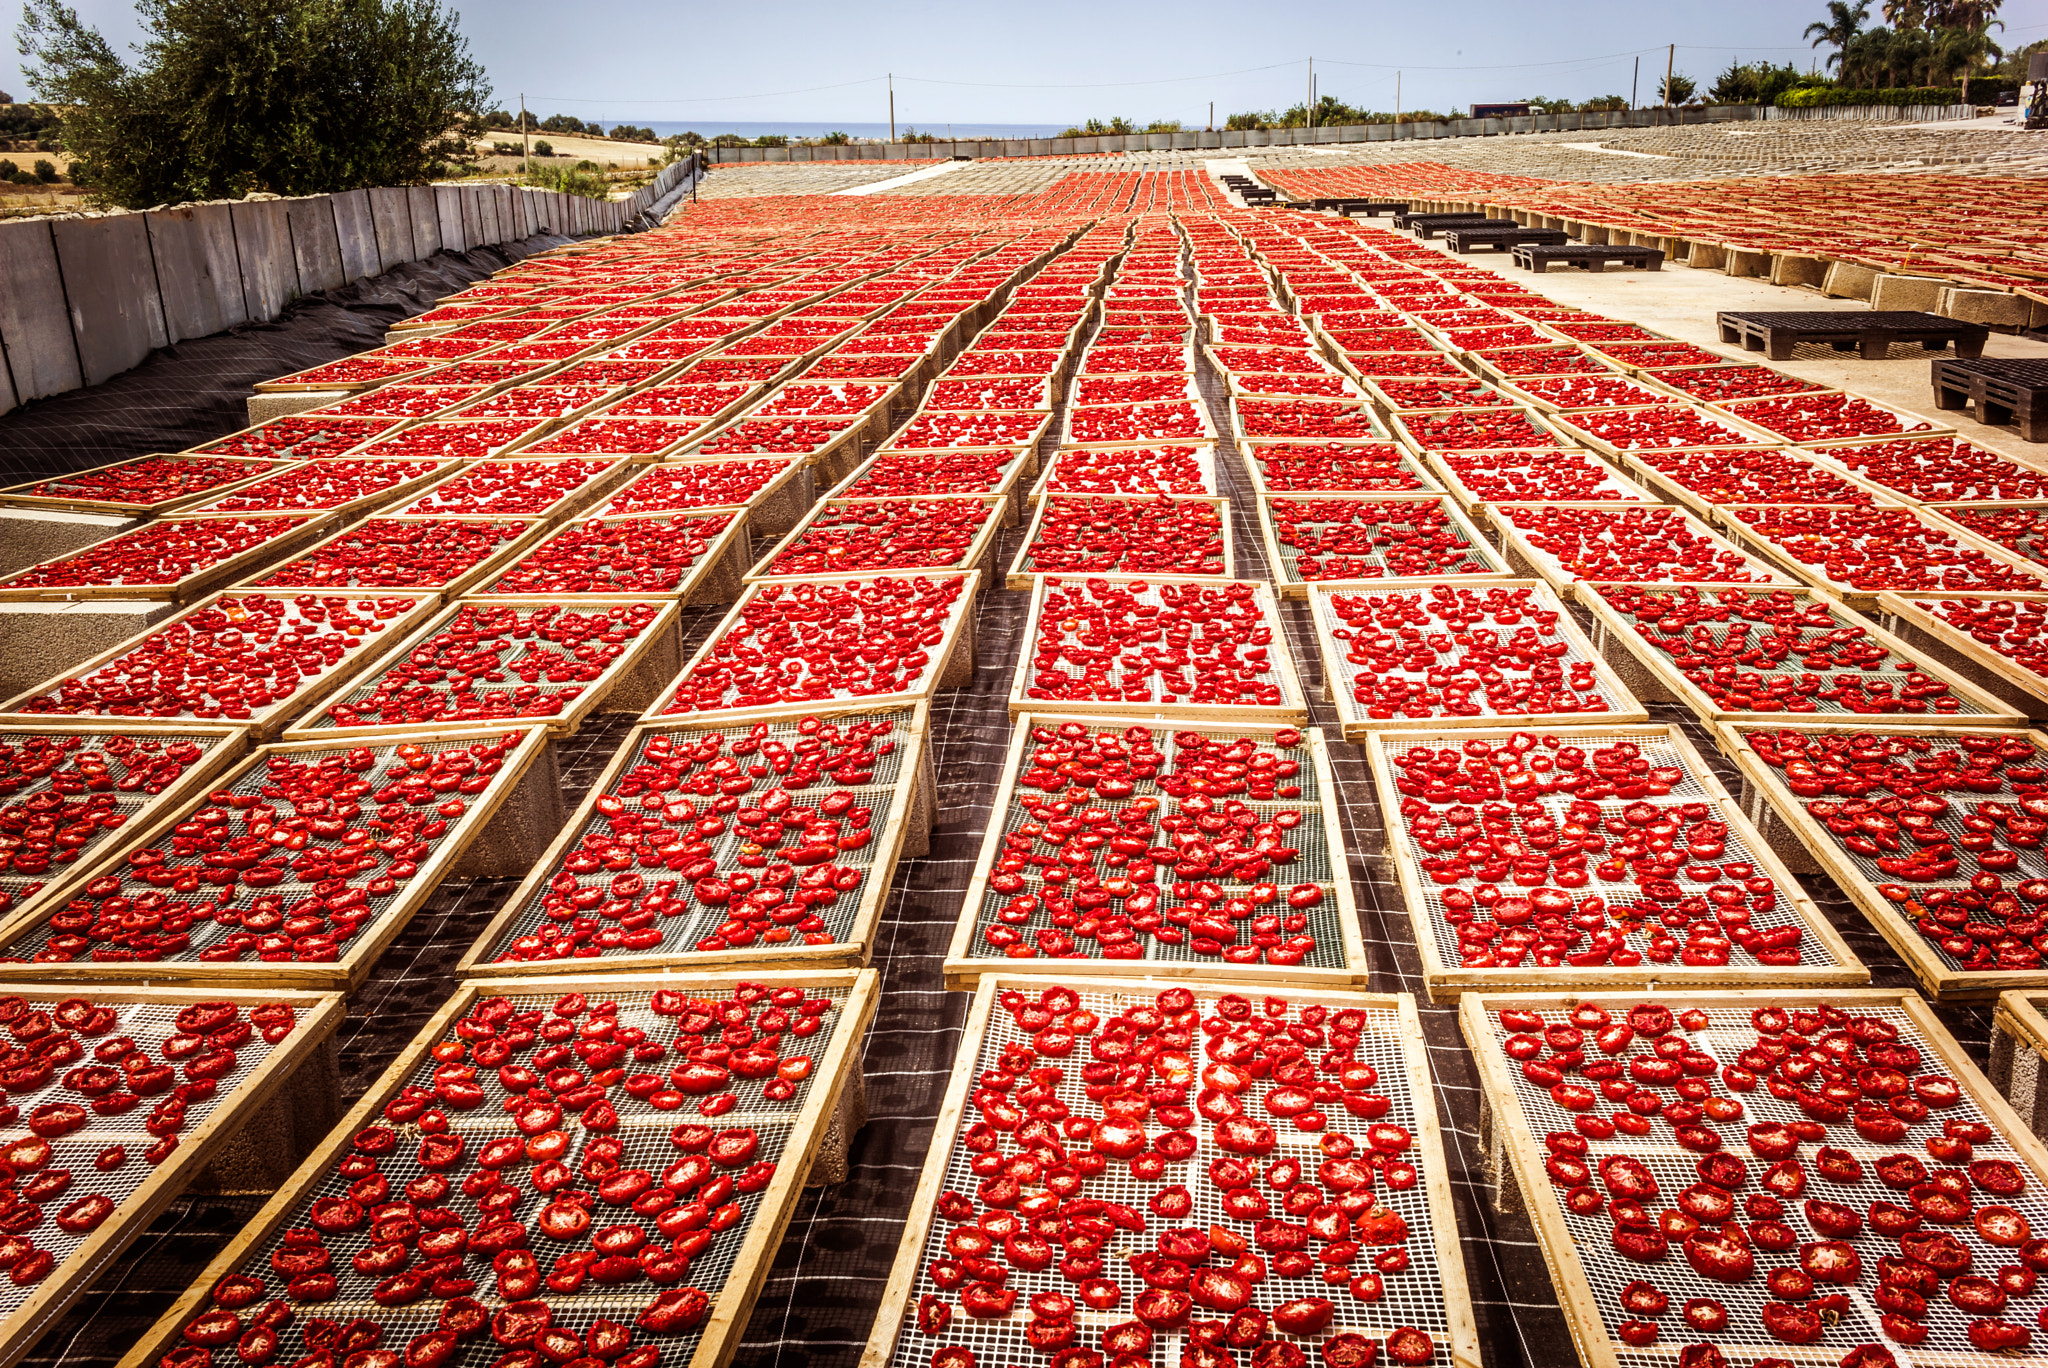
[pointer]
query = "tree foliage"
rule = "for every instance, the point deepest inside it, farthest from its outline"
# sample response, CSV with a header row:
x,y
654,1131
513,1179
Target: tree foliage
x,y
1757,83
292,97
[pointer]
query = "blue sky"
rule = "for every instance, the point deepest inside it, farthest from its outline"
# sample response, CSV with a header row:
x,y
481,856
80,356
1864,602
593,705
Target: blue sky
x,y
1060,61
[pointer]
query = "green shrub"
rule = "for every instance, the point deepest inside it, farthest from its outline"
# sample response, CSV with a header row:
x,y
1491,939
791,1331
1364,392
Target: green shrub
x,y
7,169
1814,97
46,171
543,148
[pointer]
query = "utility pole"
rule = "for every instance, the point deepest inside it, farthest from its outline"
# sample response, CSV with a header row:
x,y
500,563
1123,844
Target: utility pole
x,y
1311,92
1634,80
1212,116
892,106
1670,55
525,142
1397,97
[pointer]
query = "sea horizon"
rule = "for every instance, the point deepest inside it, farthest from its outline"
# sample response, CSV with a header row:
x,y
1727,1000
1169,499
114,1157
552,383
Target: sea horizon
x,y
874,131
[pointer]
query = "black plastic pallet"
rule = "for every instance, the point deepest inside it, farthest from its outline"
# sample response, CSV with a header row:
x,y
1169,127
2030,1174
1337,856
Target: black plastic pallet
x,y
1537,257
1775,334
1501,239
2004,391
1428,225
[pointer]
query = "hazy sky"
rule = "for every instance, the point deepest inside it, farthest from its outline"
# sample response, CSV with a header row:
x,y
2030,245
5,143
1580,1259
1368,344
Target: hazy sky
x,y
1061,61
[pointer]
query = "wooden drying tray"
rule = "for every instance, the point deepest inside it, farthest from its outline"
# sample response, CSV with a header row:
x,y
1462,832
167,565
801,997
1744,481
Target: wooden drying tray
x,y
1654,678
1524,558
837,1072
1736,519
903,813
495,838
142,1192
16,498
1408,463
1284,564
569,505
265,723
464,581
1743,436
639,672
970,959
1794,833
975,557
1616,487
714,577
1293,706
305,527
1518,1157
1023,575
951,665
346,512
1204,457
896,1339
1019,465
2013,685
223,746
1668,488
1446,979
771,510
1382,431
1338,672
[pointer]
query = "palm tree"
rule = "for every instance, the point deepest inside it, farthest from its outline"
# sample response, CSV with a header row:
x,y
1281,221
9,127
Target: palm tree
x,y
1845,21
1905,14
1965,50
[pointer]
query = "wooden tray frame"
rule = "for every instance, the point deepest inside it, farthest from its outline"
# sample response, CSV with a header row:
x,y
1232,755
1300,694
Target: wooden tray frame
x,y
1624,708
905,832
262,725
574,502
1565,422
950,667
230,743
1654,679
194,586
713,577
1291,588
1021,576
1667,487
1410,463
455,588
782,498
1537,420
1205,457
1526,559
890,1321
1747,539
348,972
975,557
1384,431
964,968
727,1322
318,1017
1474,503
1521,1162
1992,672
1791,825
1728,406
648,661
258,467
1448,981
1292,708
894,441
1022,466
354,508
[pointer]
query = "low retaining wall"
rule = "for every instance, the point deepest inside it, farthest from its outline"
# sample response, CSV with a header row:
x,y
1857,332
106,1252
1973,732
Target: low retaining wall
x,y
85,297
1887,113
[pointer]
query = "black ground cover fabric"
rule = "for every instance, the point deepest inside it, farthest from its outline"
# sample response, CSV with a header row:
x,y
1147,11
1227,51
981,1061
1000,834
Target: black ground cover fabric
x,y
818,1303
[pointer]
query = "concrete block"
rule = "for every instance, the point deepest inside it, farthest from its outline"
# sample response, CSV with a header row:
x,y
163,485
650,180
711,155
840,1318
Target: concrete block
x,y
509,229
263,245
487,215
2037,314
264,407
117,316
1790,269
1707,256
1993,308
1904,292
468,201
1847,280
31,535
448,211
357,232
425,212
316,246
1743,262
42,355
42,641
8,400
391,225
523,827
197,275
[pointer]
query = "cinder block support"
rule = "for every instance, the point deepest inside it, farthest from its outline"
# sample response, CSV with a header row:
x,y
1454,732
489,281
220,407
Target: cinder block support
x,y
40,641
264,407
1790,269
1847,280
32,535
1993,308
1895,292
1743,262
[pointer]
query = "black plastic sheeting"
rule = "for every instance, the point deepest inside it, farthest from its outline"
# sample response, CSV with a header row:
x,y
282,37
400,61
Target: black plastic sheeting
x,y
817,1304
192,392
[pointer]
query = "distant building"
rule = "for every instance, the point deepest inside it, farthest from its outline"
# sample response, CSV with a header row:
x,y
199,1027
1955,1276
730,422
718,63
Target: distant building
x,y
1512,109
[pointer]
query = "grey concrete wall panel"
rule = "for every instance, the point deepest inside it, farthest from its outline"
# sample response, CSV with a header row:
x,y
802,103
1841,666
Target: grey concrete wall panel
x,y
117,316
486,214
448,211
42,355
263,245
356,228
316,246
466,198
196,273
8,401
424,209
511,226
391,222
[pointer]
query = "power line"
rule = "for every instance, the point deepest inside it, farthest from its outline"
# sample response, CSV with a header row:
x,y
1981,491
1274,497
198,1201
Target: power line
x,y
1104,85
